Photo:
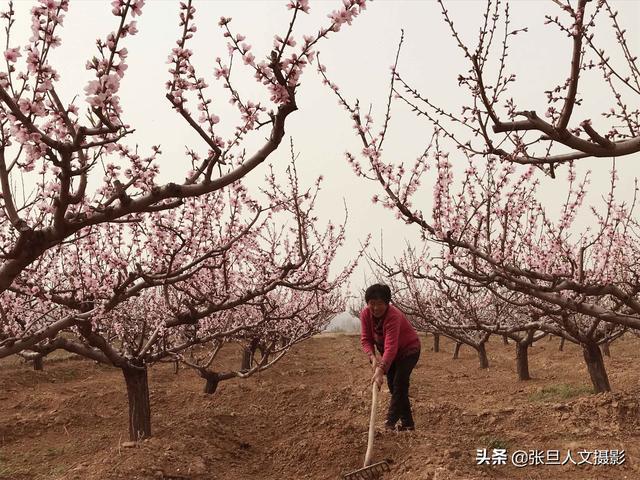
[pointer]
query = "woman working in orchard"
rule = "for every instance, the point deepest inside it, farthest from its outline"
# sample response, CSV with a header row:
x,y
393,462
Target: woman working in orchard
x,y
386,327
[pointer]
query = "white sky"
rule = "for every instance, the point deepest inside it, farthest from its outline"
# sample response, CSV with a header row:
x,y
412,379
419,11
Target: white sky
x,y
358,59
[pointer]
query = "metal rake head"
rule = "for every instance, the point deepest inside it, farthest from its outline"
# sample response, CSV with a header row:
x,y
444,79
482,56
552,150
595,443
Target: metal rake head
x,y
372,472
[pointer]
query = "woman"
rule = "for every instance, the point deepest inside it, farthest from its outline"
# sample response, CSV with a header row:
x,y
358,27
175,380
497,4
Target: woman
x,y
386,327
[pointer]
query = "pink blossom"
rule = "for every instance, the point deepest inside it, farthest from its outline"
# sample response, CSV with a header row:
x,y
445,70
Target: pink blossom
x,y
221,72
249,59
299,4
136,8
33,60
341,16
130,29
12,54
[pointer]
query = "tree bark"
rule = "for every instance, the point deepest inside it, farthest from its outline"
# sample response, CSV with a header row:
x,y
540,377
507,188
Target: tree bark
x,y
38,364
595,365
139,405
212,381
247,356
522,360
482,356
605,349
264,356
456,351
436,342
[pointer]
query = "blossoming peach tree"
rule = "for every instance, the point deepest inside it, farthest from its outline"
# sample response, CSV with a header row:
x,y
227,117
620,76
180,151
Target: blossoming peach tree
x,y
180,281
494,226
487,211
133,271
44,135
440,301
84,173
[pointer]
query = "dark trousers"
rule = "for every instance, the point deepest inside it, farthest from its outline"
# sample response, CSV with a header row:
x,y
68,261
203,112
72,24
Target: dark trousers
x,y
398,382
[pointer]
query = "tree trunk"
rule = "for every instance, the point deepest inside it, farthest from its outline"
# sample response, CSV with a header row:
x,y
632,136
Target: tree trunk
x,y
436,342
139,405
38,364
264,356
522,360
482,356
605,349
247,356
213,379
561,348
457,350
505,340
595,365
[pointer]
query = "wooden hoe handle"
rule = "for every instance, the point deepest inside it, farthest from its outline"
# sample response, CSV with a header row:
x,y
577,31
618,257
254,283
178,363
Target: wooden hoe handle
x,y
372,424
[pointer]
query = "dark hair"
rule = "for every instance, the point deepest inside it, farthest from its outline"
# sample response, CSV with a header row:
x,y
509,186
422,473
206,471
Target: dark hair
x,y
378,292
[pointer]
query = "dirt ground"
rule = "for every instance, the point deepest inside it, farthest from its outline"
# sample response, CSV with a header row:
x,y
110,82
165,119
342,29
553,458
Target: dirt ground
x,y
307,418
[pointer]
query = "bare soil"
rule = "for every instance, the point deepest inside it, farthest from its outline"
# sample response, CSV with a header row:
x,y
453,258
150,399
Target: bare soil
x,y
307,417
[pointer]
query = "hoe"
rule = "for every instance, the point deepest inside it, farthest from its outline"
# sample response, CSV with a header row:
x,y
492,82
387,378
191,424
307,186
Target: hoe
x,y
376,470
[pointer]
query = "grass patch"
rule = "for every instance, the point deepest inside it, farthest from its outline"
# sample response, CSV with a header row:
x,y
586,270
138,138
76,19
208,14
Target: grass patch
x,y
490,442
54,451
562,391
7,471
66,374
57,470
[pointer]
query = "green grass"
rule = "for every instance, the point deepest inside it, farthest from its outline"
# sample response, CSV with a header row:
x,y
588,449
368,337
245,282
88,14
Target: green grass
x,y
562,391
57,470
8,471
490,442
54,451
66,374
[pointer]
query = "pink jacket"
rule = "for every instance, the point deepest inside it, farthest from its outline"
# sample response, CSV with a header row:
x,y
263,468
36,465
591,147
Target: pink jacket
x,y
398,335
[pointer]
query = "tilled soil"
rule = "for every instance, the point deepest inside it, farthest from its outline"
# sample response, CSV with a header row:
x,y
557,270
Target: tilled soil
x,y
307,417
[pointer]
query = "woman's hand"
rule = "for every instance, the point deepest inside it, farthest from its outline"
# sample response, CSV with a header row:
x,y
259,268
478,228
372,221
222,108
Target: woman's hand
x,y
378,377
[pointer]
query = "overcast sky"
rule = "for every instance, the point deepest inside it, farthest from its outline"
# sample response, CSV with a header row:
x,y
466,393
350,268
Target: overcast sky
x,y
358,59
